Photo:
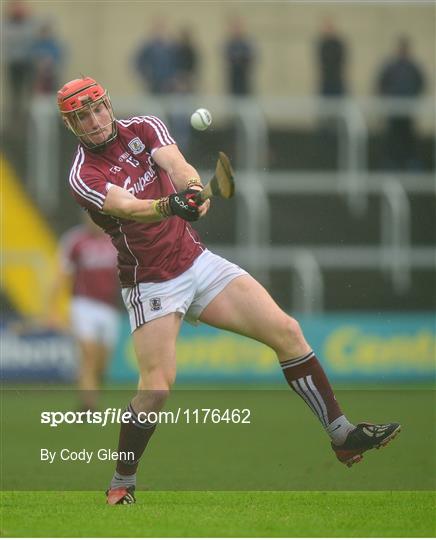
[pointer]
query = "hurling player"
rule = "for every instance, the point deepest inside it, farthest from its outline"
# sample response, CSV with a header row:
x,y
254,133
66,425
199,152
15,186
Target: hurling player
x,y
137,186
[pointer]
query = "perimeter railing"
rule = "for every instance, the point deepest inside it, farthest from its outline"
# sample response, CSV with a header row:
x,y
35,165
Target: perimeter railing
x,y
251,118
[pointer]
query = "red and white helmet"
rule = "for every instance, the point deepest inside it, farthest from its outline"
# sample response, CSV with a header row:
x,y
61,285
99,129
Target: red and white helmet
x,y
78,97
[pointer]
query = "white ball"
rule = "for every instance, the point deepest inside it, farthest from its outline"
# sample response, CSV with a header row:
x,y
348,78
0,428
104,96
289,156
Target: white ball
x,y
201,119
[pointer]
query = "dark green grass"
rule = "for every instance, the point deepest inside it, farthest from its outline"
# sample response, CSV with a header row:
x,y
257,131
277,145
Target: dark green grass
x,y
274,477
283,448
212,514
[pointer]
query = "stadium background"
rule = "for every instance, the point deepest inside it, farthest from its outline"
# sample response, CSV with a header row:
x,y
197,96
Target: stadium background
x,y
335,237
340,241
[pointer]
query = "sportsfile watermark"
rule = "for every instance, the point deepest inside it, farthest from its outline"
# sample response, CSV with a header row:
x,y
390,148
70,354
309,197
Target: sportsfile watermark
x,y
112,415
208,439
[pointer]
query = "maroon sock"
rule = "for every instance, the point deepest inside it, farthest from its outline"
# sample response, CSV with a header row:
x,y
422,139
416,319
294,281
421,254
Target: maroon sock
x,y
134,437
306,376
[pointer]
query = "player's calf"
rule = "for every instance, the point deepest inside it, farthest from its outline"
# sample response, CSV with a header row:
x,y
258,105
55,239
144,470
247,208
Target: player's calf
x,y
307,378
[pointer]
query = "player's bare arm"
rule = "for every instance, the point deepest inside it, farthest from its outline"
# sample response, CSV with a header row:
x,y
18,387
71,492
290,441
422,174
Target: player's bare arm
x,y
121,203
173,162
181,172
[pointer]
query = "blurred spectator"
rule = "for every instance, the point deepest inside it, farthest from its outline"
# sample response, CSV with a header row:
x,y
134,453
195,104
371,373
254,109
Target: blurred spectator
x,y
155,61
239,57
18,32
331,52
87,264
185,82
47,59
186,63
401,77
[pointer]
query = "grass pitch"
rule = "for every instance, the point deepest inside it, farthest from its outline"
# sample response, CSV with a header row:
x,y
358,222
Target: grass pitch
x,y
276,477
282,449
221,514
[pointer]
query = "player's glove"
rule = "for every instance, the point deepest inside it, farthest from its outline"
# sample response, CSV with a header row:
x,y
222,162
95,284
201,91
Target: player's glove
x,y
182,204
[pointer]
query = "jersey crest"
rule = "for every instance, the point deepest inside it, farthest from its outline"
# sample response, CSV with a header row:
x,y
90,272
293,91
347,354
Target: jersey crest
x,y
136,145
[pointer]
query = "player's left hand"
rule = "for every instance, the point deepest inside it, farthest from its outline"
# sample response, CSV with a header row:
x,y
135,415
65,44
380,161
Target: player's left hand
x,y
203,208
182,204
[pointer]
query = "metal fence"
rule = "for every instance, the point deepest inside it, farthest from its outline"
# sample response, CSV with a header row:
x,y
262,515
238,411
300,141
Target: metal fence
x,y
395,253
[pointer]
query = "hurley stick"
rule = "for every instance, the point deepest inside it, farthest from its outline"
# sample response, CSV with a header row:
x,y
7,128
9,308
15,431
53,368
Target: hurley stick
x,y
221,183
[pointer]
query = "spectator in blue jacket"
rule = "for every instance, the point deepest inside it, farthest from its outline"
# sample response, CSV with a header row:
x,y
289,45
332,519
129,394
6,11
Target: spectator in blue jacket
x,y
240,59
401,77
155,61
48,56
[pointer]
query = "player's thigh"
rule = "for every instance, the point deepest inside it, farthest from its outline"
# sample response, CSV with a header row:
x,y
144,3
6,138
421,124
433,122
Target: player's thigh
x,y
245,307
155,344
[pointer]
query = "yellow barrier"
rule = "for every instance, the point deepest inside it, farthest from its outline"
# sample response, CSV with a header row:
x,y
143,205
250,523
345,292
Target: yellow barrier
x,y
29,248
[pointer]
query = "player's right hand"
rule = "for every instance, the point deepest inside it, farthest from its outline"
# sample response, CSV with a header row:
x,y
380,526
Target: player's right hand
x,y
184,205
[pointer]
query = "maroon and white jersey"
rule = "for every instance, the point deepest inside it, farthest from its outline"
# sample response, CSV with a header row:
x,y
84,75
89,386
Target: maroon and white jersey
x,y
91,260
147,252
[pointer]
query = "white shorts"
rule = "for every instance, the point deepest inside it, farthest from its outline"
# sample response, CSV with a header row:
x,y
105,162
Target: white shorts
x,y
94,321
187,294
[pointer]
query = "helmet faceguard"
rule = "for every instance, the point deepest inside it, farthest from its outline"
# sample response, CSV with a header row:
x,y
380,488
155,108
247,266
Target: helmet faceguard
x,y
80,103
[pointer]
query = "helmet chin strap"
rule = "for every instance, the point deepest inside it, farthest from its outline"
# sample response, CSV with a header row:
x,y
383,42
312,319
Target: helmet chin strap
x,y
85,139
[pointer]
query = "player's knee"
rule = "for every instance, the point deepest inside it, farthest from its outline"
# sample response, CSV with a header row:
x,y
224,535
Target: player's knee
x,y
293,328
157,372
290,337
157,379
